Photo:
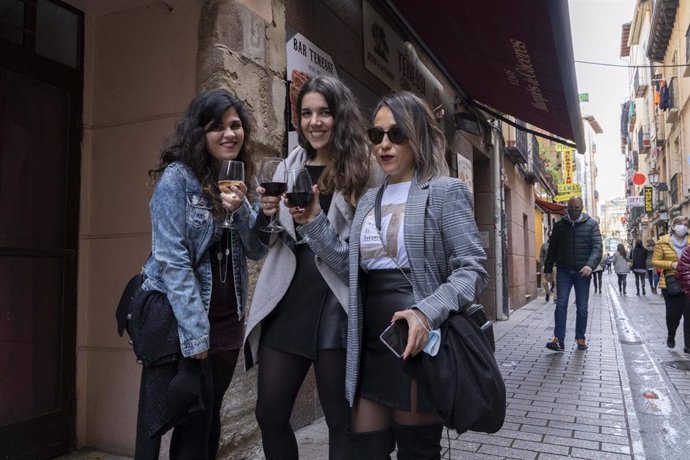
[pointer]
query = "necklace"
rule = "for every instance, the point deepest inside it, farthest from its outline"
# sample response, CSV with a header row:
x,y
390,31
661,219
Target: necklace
x,y
223,254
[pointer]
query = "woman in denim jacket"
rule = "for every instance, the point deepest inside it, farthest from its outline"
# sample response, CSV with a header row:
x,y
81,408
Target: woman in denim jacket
x,y
199,266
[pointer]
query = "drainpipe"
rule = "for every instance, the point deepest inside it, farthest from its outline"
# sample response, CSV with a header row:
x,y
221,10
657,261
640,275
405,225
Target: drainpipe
x,y
500,243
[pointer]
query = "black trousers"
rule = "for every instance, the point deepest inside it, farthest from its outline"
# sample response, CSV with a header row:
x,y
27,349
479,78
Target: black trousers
x,y
596,276
677,306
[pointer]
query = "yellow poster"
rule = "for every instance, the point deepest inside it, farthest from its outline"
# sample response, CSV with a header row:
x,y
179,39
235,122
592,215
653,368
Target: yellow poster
x,y
568,166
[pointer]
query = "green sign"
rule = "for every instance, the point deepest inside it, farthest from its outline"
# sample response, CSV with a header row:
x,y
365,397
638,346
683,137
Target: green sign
x,y
584,97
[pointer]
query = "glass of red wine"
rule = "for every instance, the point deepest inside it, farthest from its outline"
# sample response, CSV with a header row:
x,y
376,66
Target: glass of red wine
x,y
299,192
272,178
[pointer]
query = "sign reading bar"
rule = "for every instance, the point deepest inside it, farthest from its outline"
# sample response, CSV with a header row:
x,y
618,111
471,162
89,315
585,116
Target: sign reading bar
x,y
636,201
648,205
569,188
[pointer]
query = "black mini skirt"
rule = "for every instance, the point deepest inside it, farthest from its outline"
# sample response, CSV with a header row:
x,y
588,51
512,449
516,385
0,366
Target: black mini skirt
x,y
381,376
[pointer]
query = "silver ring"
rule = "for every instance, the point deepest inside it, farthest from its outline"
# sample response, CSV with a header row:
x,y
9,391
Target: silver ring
x,y
233,196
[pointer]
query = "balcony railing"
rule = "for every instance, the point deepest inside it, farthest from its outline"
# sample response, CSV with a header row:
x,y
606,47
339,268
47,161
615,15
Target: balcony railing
x,y
660,125
672,111
518,149
644,143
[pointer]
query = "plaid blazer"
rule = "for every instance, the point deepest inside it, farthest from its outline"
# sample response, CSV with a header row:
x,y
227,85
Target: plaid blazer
x,y
447,261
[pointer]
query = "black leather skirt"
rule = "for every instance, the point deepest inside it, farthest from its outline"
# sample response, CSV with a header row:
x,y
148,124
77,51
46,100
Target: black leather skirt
x,y
381,376
309,317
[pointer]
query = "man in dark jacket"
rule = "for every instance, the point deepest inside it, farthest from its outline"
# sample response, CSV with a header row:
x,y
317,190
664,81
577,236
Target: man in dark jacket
x,y
575,248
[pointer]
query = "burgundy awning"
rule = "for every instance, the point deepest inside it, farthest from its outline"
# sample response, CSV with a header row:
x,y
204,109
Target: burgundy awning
x,y
515,56
550,208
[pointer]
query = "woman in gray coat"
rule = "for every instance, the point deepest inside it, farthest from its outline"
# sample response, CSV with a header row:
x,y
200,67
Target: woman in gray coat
x,y
414,255
298,313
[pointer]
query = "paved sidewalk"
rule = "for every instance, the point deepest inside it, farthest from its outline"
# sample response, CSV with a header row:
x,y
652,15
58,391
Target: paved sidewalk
x,y
577,404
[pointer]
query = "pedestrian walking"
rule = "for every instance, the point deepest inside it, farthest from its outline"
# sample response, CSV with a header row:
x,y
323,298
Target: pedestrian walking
x,y
549,288
621,266
609,262
652,274
298,315
414,255
198,267
575,249
666,253
639,265
597,274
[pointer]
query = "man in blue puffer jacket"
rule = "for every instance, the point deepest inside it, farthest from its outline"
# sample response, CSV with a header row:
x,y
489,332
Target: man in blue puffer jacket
x,y
575,248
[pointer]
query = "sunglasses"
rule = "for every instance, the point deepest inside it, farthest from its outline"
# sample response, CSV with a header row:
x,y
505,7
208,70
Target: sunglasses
x,y
395,135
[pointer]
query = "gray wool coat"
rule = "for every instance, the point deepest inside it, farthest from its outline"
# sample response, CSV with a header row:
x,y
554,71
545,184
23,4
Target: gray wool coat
x,y
280,264
447,261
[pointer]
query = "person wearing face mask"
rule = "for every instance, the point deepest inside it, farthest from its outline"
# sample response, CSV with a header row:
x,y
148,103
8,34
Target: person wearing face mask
x,y
575,249
666,253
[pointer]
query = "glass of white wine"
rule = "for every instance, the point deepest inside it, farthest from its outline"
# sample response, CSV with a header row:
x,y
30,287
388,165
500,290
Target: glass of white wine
x,y
231,173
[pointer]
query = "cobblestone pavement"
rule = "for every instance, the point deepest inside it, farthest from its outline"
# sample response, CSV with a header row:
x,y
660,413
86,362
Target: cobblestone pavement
x,y
620,399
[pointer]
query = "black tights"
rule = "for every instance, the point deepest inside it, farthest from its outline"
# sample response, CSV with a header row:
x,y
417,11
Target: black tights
x,y
199,436
639,279
280,377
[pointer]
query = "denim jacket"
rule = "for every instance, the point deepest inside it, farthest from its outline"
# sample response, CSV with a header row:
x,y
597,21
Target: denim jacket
x,y
183,229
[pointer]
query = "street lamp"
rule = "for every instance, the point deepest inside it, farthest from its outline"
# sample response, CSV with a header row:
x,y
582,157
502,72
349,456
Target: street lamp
x,y
653,176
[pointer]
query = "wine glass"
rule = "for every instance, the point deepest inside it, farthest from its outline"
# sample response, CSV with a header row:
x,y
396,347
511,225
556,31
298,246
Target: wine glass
x,y
274,184
231,173
299,192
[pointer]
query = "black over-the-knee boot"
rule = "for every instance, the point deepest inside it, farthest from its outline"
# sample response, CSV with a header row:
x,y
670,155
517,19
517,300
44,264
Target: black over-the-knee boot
x,y
418,442
372,445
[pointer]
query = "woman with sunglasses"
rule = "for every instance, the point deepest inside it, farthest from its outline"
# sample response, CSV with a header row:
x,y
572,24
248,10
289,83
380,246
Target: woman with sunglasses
x,y
414,255
298,313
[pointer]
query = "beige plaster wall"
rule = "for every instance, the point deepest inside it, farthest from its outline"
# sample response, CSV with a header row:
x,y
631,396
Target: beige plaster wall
x,y
140,72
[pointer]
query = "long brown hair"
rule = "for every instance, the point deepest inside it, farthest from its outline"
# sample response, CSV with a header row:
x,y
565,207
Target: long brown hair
x,y
349,166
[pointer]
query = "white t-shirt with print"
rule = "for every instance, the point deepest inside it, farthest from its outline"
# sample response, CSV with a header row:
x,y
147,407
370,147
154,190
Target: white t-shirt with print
x,y
373,256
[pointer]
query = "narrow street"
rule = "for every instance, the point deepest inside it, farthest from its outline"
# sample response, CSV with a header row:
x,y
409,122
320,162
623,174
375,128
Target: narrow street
x,y
626,397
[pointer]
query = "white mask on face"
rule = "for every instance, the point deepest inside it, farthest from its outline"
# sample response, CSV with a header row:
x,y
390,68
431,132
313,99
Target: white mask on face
x,y
680,229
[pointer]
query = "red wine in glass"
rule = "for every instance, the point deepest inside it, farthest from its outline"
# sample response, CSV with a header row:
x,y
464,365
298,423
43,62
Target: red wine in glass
x,y
274,188
299,199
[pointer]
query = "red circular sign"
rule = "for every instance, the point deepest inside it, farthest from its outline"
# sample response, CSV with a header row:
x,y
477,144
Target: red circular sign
x,y
639,179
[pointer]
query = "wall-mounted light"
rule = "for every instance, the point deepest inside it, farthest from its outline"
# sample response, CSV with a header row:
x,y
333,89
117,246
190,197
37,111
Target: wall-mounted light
x,y
468,122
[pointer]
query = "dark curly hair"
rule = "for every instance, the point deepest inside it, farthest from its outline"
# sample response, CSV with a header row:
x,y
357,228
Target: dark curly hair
x,y
348,170
188,143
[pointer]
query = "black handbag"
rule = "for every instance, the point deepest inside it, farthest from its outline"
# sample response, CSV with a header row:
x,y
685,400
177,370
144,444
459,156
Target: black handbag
x,y
467,388
672,286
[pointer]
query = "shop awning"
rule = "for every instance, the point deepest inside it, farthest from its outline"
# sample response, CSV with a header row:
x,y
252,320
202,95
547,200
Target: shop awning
x,y
550,208
515,56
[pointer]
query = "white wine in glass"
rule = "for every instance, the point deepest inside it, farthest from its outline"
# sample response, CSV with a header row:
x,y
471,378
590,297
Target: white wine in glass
x,y
231,173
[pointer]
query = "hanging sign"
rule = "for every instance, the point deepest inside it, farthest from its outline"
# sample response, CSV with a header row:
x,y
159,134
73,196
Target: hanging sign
x,y
636,201
569,188
648,205
568,166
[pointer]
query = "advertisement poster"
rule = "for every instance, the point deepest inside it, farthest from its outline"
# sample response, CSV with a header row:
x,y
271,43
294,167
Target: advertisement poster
x,y
568,166
304,60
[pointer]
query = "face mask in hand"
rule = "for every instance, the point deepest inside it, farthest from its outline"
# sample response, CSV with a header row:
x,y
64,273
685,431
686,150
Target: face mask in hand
x,y
680,229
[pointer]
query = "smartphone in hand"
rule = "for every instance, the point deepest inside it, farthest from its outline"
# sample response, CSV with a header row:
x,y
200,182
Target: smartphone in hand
x,y
395,337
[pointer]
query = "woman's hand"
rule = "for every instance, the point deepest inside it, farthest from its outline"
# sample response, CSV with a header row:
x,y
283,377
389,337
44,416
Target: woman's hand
x,y
269,204
232,197
306,215
201,355
674,265
418,333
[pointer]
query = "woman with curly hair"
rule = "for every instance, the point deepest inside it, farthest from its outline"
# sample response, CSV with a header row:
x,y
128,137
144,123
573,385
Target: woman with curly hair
x,y
298,314
197,268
